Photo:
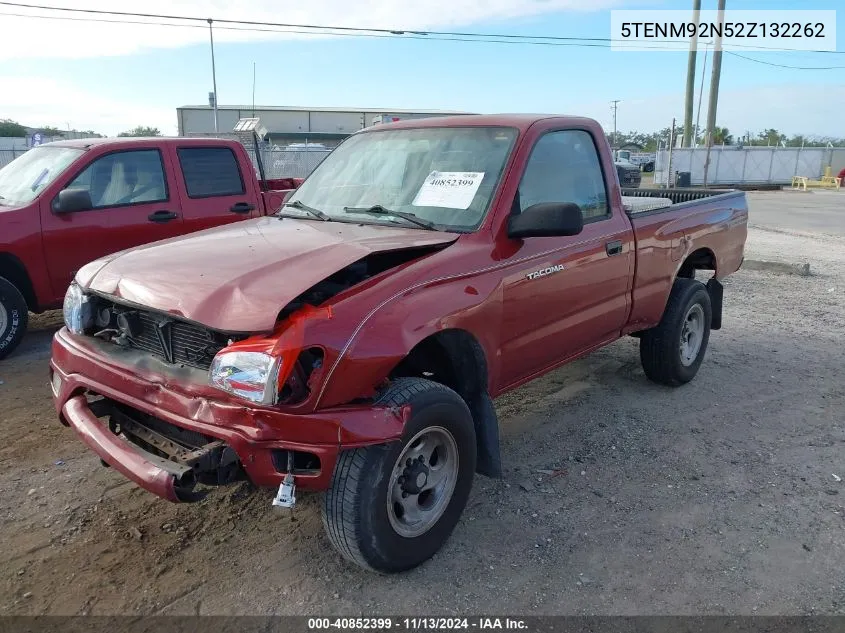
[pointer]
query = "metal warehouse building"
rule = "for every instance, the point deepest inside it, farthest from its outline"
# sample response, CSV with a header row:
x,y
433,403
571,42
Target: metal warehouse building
x,y
327,126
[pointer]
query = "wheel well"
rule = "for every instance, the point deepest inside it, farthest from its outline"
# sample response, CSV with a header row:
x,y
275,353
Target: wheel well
x,y
456,359
702,259
13,270
451,357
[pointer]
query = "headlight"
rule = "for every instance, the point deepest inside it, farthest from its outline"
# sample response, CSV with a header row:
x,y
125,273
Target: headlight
x,y
249,375
77,309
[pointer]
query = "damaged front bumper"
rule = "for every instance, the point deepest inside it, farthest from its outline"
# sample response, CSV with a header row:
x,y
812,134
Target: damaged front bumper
x,y
166,430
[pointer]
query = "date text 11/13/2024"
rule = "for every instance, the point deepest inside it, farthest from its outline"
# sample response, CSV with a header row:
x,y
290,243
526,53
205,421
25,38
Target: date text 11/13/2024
x,y
418,623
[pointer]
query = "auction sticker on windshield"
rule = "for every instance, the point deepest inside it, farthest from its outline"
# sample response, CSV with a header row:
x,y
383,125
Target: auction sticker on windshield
x,y
449,189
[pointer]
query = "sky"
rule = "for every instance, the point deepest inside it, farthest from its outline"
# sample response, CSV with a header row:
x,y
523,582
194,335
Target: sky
x,y
112,77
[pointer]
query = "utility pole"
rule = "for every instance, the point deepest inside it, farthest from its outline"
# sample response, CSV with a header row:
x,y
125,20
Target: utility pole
x,y
701,91
714,87
614,105
213,76
690,98
669,181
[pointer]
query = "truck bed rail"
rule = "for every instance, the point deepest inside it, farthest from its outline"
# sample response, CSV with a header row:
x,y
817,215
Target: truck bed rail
x,y
677,196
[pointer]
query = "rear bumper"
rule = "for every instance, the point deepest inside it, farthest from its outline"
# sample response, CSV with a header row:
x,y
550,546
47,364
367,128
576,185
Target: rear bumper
x,y
79,368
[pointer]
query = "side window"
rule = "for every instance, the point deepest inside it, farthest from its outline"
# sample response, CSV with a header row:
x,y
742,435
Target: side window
x,y
210,171
564,167
123,178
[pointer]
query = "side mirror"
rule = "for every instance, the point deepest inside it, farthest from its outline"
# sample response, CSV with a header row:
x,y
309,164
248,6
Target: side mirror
x,y
547,219
70,200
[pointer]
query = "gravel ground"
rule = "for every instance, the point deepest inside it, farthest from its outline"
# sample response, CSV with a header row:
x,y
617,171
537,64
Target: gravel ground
x,y
620,497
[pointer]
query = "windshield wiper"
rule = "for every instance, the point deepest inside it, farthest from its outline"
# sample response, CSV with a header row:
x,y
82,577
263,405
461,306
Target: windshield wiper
x,y
297,204
377,209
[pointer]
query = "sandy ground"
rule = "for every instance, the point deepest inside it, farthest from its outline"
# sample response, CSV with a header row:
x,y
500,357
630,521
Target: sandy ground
x,y
620,497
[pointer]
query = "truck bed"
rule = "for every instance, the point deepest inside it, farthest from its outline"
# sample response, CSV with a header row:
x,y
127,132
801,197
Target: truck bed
x,y
670,198
710,225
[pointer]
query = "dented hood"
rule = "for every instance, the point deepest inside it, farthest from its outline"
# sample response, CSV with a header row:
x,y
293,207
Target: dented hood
x,y
238,277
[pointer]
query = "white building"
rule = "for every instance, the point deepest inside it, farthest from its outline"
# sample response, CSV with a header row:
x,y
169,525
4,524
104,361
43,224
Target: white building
x,y
285,125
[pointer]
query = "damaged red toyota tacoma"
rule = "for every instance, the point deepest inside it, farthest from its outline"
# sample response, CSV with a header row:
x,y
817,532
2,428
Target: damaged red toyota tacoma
x,y
352,343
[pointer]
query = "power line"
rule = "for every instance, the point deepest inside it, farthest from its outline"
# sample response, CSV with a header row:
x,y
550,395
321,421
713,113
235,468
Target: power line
x,y
760,61
363,31
590,44
316,32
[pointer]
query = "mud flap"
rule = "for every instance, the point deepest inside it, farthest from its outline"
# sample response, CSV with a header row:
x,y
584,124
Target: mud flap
x,y
716,291
488,457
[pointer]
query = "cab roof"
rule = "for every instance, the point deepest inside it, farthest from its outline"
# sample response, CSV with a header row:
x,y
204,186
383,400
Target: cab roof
x,y
519,121
85,143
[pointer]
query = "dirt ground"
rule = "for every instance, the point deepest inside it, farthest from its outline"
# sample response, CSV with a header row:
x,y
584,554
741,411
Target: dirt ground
x,y
620,497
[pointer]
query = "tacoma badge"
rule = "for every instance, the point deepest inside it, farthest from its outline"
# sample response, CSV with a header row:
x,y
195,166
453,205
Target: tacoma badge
x,y
545,271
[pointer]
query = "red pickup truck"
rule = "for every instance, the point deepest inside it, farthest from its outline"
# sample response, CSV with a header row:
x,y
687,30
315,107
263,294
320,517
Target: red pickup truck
x,y
353,343
64,204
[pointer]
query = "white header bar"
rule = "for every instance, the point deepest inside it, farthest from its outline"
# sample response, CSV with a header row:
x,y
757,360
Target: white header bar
x,y
741,30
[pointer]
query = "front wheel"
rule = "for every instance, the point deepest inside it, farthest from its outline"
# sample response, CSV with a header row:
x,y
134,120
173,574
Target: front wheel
x,y
13,317
672,352
390,507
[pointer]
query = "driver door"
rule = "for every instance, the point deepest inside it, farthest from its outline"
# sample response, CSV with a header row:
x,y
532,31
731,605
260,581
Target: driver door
x,y
133,202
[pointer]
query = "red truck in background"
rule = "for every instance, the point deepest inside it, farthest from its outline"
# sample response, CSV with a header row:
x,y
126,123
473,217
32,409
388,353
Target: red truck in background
x,y
353,343
66,203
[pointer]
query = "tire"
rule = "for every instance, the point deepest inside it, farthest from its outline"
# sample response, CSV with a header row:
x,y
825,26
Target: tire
x,y
665,359
13,317
361,521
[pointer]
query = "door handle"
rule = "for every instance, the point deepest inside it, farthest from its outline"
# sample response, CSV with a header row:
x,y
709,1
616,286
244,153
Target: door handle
x,y
241,207
160,217
613,248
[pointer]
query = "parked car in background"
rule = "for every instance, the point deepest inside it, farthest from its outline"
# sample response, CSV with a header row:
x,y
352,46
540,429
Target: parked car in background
x,y
66,203
643,160
629,174
353,344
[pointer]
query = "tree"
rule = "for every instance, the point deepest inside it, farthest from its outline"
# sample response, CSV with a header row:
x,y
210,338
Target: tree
x,y
11,128
142,130
722,136
771,137
49,130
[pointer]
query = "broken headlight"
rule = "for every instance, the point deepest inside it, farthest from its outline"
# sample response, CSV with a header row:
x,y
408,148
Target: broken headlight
x,y
77,309
249,375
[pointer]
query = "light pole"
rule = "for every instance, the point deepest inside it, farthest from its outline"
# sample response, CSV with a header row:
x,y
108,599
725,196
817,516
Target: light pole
x,y
213,75
614,105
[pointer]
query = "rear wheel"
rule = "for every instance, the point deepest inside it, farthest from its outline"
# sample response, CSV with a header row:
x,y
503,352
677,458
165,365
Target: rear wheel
x,y
392,506
13,317
672,352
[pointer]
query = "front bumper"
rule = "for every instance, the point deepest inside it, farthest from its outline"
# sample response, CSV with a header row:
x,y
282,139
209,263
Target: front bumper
x,y
82,367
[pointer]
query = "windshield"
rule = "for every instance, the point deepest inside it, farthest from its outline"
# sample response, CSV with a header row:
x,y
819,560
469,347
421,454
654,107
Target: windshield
x,y
443,176
27,176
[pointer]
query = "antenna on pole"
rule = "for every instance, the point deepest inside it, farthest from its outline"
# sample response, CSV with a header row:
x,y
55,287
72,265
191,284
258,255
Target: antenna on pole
x,y
614,105
253,88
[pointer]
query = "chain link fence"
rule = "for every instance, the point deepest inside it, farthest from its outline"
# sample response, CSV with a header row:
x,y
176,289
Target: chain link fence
x,y
288,163
8,155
